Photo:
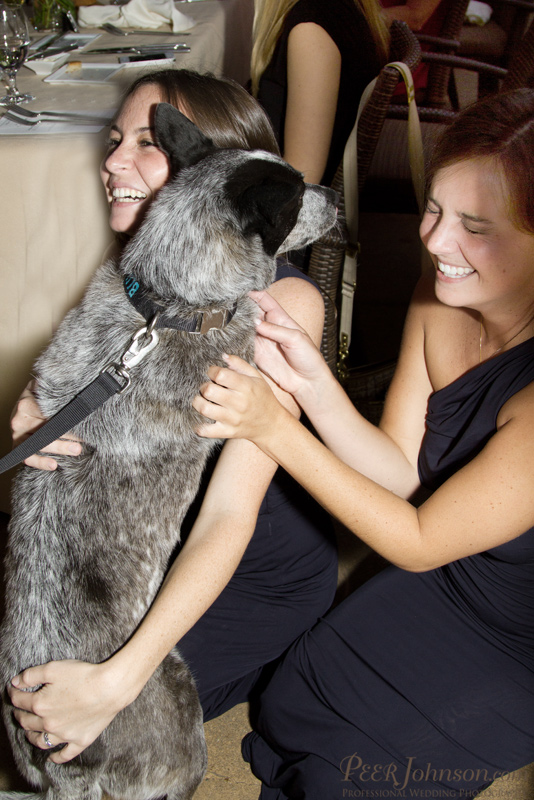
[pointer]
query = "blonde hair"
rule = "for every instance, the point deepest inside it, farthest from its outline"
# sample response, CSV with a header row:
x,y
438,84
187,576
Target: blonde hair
x,y
269,18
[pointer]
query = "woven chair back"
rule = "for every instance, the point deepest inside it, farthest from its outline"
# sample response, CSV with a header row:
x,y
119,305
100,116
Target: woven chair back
x,y
327,254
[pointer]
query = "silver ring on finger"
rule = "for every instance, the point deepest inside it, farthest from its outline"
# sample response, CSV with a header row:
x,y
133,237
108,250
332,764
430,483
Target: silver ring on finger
x,y
46,738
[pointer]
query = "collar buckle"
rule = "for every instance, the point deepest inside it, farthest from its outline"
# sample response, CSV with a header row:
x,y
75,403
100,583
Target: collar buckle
x,y
212,320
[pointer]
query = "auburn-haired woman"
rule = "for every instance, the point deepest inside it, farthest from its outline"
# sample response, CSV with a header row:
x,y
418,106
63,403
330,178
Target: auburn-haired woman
x,y
421,683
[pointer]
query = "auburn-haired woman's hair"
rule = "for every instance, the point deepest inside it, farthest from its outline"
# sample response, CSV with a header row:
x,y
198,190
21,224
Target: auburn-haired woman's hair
x,y
220,107
269,18
499,129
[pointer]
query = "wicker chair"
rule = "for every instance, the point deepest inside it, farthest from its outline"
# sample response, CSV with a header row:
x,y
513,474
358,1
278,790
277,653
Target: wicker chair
x,y
328,253
448,42
389,187
497,41
518,72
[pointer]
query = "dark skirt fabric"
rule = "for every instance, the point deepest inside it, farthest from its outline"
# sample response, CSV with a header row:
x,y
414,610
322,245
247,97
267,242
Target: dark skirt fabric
x,y
284,583
417,685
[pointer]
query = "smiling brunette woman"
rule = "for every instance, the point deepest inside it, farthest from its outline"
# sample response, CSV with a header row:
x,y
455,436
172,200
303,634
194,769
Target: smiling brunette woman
x,y
422,681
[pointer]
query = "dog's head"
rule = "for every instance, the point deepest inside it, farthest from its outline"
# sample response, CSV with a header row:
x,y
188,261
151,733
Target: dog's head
x,y
214,229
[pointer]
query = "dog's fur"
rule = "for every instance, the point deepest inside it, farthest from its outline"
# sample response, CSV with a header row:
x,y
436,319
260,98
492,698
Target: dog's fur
x,y
89,543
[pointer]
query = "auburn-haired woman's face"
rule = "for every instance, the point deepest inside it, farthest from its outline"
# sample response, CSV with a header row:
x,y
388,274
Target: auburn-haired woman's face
x,y
481,256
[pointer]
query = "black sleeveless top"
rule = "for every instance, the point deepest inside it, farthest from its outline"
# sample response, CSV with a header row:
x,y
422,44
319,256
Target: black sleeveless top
x,y
345,24
495,589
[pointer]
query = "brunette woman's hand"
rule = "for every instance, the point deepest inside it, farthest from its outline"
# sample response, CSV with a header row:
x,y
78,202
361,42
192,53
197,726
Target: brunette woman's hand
x,y
27,418
75,703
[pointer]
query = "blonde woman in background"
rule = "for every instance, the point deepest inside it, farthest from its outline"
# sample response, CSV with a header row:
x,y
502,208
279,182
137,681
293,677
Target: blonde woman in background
x,y
311,60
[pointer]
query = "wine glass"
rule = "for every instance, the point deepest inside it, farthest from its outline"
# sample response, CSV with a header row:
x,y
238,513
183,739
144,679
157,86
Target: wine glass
x,y
14,41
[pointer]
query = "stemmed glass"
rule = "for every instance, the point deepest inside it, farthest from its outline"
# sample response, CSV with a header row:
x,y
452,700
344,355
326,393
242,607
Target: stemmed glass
x,y
14,41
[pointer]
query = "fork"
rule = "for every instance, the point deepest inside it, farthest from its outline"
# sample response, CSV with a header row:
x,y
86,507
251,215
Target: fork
x,y
107,26
31,114
31,118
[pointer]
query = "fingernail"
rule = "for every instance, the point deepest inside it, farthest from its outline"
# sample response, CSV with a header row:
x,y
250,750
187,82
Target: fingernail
x,y
15,681
75,449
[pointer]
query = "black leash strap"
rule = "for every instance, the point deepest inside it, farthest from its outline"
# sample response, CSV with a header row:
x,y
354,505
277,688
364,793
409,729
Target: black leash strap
x,y
106,385
88,400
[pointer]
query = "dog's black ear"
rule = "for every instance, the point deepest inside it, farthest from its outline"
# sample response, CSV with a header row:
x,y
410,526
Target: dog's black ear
x,y
268,196
179,138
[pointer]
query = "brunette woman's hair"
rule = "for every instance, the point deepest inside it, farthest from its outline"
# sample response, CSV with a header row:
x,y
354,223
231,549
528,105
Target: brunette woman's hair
x,y
498,129
220,107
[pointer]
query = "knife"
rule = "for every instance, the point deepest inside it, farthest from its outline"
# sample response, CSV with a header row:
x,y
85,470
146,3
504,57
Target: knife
x,y
130,59
52,51
159,33
183,48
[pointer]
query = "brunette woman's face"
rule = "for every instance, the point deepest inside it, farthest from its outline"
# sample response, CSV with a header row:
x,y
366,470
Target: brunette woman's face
x,y
481,257
134,168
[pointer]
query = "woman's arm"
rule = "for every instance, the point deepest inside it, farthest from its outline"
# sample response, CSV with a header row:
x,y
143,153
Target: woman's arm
x,y
79,700
313,75
486,503
387,454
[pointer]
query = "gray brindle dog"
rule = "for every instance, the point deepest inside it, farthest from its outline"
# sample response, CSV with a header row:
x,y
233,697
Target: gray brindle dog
x,y
89,543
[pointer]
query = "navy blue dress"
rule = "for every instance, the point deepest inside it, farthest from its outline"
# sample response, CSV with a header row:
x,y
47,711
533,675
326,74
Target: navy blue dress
x,y
286,580
418,682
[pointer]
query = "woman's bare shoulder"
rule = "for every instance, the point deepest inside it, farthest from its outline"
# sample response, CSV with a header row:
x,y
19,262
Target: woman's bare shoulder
x,y
451,335
303,301
520,405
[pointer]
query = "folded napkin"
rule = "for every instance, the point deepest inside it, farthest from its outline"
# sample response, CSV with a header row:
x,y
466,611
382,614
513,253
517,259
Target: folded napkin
x,y
145,14
478,13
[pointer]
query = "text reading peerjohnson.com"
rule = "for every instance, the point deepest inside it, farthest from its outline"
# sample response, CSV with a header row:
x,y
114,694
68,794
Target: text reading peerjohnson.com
x,y
404,781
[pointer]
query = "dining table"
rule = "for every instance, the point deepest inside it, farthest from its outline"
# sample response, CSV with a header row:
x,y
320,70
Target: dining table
x,y
53,213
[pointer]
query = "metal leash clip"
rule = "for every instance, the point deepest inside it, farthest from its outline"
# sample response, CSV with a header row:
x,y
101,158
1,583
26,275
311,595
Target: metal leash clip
x,y
141,344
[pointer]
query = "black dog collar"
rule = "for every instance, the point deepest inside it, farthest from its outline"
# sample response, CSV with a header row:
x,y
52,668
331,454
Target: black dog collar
x,y
201,322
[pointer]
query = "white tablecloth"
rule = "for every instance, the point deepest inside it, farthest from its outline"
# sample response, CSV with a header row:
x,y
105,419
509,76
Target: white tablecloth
x,y
53,215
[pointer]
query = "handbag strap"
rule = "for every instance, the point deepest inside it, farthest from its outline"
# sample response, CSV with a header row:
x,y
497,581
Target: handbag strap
x,y
350,187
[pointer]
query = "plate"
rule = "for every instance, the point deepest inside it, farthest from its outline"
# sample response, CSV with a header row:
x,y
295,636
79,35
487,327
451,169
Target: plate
x,y
88,73
81,39
54,40
44,66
